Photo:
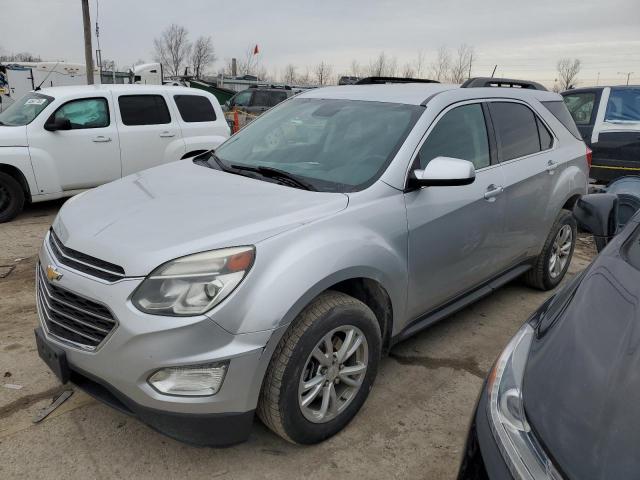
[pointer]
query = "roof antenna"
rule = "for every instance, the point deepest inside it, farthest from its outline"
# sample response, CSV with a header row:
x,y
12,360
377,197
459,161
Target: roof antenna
x,y
494,71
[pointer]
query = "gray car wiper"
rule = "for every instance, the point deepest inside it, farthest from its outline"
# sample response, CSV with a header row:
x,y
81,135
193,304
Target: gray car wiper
x,y
277,174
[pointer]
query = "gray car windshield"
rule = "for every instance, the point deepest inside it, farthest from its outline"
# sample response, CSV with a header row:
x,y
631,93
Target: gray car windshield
x,y
333,145
25,109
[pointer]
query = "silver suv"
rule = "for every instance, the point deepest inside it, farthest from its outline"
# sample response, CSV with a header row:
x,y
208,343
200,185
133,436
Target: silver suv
x,y
270,275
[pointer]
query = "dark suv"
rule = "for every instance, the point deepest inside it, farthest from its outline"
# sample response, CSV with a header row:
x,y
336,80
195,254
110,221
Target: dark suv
x,y
258,99
609,122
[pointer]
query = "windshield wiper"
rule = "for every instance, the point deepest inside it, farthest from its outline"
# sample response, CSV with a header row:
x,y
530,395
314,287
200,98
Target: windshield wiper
x,y
277,174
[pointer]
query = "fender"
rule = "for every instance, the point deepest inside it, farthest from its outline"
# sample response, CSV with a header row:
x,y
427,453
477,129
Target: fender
x,y
284,280
18,158
203,142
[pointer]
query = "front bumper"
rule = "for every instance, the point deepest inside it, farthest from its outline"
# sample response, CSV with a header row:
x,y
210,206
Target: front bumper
x,y
116,372
482,458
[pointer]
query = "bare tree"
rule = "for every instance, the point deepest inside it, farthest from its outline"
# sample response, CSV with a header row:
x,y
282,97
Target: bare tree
x,y
439,68
383,66
202,55
289,75
461,65
322,72
419,65
304,78
408,71
172,49
20,57
355,69
568,70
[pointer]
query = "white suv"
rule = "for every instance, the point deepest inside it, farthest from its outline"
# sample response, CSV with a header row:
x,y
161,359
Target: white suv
x,y
59,141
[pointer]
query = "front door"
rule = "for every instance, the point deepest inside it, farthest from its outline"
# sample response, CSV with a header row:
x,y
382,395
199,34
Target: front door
x,y
86,156
455,232
149,134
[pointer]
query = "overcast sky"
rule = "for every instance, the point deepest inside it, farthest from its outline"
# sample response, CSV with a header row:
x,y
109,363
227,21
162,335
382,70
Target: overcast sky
x,y
525,39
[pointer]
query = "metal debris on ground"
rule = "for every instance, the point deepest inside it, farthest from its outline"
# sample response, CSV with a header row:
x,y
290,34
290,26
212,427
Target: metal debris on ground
x,y
13,386
5,270
57,401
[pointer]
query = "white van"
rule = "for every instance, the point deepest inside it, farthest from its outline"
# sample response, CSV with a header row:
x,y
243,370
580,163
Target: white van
x,y
59,141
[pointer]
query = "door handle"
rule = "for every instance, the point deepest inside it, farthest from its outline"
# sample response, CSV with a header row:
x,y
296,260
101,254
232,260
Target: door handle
x,y
551,166
167,134
101,138
492,192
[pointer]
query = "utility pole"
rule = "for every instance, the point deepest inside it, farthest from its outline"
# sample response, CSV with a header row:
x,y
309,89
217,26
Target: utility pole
x,y
628,74
598,80
88,51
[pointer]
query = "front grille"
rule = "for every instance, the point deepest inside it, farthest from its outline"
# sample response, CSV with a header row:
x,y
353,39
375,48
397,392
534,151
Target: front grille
x,y
84,263
71,317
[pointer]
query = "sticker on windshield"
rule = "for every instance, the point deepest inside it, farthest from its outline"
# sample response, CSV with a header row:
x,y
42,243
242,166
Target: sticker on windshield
x,y
35,101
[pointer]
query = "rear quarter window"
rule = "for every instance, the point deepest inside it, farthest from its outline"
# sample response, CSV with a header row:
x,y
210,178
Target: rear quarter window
x,y
195,108
560,111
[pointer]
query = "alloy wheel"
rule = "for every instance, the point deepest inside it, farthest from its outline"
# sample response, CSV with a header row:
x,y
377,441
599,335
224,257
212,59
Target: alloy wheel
x,y
560,251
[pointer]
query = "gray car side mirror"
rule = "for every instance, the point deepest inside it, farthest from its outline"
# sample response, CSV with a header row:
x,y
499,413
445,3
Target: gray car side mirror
x,y
443,172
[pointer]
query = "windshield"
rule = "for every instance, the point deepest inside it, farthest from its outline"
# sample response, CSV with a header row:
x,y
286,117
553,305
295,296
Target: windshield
x,y
25,109
333,145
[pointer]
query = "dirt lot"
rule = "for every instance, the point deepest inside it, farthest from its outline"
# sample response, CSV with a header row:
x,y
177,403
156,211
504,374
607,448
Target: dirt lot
x,y
413,425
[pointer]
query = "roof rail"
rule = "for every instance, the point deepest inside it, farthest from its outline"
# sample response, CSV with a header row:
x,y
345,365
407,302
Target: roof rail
x,y
476,82
268,85
383,80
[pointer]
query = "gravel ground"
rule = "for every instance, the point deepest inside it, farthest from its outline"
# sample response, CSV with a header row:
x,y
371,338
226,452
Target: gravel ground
x,y
413,425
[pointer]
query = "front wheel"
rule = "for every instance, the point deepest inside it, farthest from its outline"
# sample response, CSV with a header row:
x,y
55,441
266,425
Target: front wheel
x,y
553,262
322,370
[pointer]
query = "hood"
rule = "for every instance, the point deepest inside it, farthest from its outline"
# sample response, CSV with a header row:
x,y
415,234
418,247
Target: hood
x,y
173,210
13,136
582,381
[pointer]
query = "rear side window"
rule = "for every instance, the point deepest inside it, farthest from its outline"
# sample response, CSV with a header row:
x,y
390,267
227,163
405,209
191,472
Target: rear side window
x,y
460,133
559,110
276,97
195,108
516,130
143,110
623,105
580,106
85,113
546,139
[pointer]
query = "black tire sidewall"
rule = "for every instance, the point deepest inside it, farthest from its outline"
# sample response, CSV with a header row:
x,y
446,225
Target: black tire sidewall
x,y
565,219
16,197
297,427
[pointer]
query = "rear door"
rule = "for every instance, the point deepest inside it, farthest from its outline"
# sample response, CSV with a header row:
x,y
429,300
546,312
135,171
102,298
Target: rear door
x,y
198,119
149,132
455,232
86,156
525,144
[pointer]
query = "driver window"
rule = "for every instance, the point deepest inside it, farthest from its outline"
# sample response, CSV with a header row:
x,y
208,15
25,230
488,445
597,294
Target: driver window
x,y
85,113
243,99
460,133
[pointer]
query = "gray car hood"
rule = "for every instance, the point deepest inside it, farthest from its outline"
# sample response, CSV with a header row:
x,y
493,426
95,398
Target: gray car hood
x,y
13,136
166,212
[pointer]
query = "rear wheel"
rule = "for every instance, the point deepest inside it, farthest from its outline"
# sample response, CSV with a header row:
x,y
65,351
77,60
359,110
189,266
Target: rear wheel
x,y
552,263
11,197
322,370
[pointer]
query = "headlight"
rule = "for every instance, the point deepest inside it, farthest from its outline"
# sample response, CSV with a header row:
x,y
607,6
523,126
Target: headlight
x,y
193,284
519,447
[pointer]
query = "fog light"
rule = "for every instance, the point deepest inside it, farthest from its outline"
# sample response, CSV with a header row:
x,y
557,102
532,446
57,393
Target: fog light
x,y
194,380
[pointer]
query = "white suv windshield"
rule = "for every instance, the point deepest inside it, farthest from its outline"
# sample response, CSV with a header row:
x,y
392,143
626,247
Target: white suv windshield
x,y
25,109
334,145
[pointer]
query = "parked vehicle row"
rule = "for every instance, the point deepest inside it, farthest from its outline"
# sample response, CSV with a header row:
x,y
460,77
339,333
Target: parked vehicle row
x,y
269,276
60,141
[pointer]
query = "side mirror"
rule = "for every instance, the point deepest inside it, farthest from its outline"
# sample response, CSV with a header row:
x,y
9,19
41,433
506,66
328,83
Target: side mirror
x,y
597,213
58,124
444,172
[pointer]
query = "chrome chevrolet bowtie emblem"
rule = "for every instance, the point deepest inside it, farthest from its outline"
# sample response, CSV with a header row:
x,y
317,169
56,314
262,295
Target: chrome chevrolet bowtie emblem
x,y
52,273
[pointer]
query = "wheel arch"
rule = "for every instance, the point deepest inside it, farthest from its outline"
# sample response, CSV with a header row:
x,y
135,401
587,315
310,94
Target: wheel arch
x,y
17,174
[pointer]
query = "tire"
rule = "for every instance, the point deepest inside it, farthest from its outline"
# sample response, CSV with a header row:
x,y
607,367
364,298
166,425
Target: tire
x,y
280,405
541,275
11,197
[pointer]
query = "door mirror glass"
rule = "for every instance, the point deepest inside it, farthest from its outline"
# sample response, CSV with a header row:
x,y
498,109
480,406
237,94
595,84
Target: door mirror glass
x,y
58,123
597,213
445,171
